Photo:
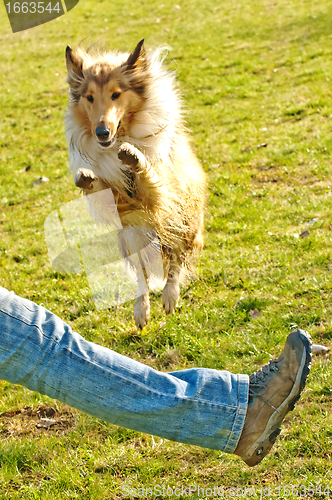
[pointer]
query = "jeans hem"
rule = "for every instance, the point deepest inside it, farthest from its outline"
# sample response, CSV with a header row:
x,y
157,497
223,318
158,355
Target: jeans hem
x,y
240,414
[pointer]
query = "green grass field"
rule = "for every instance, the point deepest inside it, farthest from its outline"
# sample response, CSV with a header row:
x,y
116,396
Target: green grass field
x,y
256,79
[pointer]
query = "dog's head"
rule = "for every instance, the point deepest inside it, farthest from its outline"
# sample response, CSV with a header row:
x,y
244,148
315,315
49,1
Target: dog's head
x,y
106,91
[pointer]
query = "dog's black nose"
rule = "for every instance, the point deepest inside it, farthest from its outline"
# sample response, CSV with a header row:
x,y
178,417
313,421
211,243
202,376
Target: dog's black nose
x,y
102,133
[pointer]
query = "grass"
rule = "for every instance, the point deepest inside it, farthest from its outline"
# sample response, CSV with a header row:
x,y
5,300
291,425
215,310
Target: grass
x,y
252,74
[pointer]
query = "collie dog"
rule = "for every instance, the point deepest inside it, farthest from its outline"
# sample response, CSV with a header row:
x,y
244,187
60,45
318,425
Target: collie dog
x,y
126,132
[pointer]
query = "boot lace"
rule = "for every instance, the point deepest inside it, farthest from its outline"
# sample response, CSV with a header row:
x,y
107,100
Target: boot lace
x,y
257,381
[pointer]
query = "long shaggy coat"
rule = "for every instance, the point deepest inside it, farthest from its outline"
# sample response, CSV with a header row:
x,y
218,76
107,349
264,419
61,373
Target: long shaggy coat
x,y
126,131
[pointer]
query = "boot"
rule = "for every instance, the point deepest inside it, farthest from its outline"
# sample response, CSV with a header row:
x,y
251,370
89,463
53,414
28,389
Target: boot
x,y
273,392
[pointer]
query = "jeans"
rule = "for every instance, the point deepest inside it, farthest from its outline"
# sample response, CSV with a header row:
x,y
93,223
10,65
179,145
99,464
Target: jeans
x,y
199,406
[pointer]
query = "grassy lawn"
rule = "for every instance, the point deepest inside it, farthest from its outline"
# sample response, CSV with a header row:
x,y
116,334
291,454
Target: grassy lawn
x,y
256,79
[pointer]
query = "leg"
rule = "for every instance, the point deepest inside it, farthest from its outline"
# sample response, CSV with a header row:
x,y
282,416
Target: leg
x,y
142,303
132,243
131,156
87,180
147,182
171,291
204,407
142,310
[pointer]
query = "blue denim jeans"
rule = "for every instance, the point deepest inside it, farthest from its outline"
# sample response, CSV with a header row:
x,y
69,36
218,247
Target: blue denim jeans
x,y
199,406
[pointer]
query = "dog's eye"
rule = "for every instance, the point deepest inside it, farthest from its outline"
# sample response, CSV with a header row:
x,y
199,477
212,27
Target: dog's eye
x,y
90,98
115,95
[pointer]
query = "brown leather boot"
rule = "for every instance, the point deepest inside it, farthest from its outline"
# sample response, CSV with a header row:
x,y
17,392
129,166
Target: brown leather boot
x,y
273,392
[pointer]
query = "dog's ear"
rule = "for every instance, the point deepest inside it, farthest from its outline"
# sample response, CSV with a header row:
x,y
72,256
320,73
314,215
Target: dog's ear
x,y
74,62
137,57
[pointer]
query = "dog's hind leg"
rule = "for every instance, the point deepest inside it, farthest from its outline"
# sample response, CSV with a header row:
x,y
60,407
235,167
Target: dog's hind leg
x,y
142,304
171,291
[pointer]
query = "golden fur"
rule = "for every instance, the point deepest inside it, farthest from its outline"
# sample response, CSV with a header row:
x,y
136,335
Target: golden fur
x,y
141,152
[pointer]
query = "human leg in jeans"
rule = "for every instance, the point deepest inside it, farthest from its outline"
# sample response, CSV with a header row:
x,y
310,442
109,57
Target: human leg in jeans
x,y
199,406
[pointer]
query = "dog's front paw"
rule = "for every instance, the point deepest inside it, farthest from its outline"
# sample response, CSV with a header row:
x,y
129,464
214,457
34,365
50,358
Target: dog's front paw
x,y
142,311
129,155
85,178
170,297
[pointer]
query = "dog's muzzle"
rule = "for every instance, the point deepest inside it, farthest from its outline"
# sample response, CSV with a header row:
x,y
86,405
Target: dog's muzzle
x,y
103,136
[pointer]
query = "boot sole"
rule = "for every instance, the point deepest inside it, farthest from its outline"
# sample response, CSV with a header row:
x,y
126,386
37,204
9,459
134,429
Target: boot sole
x,y
263,445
